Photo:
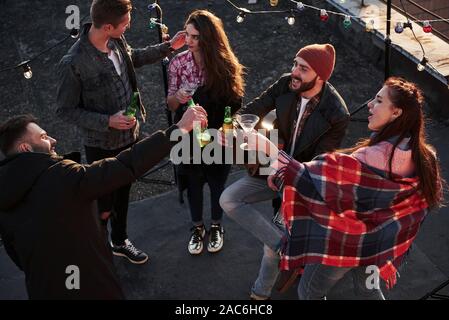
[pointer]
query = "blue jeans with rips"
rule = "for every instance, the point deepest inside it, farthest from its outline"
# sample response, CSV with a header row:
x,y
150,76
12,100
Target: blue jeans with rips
x,y
238,202
317,280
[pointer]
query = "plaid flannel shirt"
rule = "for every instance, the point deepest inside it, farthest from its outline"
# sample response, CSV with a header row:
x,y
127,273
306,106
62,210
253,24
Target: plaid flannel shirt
x,y
309,108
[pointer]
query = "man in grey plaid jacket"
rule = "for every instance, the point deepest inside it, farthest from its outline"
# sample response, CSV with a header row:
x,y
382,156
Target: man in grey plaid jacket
x,y
96,83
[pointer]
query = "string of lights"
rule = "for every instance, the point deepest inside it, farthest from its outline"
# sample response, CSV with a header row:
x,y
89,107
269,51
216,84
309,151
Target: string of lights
x,y
157,22
299,7
25,65
422,64
163,35
347,22
324,16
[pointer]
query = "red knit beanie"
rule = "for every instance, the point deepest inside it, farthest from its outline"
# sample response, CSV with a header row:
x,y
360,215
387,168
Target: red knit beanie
x,y
321,57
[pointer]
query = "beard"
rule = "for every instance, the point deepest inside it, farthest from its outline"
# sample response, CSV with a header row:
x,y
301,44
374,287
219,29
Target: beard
x,y
41,149
305,86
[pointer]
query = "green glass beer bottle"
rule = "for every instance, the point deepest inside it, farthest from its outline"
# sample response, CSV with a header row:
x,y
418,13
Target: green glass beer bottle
x,y
133,106
202,134
227,121
190,103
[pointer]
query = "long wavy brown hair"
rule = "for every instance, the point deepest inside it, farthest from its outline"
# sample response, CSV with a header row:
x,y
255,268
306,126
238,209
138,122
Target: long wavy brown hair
x,y
224,73
408,97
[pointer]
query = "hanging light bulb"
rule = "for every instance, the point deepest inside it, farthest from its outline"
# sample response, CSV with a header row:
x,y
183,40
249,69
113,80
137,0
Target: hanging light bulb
x,y
152,23
300,6
240,18
422,65
152,6
369,26
165,61
27,72
164,29
427,28
274,3
291,19
74,33
399,28
347,22
323,15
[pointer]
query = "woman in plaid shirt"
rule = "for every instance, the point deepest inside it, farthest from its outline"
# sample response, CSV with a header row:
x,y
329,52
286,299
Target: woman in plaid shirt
x,y
210,68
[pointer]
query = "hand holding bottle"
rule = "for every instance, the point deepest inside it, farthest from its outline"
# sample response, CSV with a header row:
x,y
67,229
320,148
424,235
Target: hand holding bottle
x,y
192,114
185,93
121,122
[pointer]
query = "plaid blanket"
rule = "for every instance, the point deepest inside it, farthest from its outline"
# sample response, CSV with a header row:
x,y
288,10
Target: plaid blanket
x,y
340,212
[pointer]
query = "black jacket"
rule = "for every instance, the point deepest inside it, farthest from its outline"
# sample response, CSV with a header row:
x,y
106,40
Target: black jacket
x,y
49,218
324,129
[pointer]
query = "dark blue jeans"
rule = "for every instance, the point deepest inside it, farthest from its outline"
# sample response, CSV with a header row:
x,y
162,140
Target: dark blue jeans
x,y
115,202
317,280
197,175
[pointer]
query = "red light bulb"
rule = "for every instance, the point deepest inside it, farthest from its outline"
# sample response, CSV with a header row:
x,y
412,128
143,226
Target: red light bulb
x,y
323,15
427,28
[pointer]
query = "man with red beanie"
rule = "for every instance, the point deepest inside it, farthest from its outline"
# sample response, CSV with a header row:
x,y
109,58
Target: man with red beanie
x,y
311,119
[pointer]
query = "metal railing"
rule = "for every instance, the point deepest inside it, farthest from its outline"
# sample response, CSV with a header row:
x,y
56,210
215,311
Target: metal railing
x,y
434,294
435,28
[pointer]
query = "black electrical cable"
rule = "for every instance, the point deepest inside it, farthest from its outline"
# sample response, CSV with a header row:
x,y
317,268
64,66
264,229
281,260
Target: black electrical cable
x,y
256,12
72,32
413,32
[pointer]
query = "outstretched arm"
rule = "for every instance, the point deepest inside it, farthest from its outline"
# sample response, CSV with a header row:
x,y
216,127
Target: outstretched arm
x,y
104,176
152,54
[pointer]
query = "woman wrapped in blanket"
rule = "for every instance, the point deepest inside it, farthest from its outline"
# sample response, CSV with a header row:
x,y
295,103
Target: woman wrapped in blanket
x,y
359,210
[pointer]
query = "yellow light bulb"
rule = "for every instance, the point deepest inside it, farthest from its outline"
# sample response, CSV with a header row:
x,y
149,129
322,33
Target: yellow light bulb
x,y
369,26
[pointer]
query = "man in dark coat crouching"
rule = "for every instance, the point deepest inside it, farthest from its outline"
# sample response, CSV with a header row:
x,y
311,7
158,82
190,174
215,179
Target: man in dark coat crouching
x,y
48,214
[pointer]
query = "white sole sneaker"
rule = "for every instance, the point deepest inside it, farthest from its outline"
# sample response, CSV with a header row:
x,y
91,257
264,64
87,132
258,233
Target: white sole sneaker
x,y
201,246
130,260
214,250
195,252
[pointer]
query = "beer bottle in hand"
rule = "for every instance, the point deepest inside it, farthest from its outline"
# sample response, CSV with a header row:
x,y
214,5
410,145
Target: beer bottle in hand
x,y
133,106
202,134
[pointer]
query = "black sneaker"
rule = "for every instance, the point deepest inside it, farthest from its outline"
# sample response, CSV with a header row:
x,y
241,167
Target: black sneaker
x,y
196,239
215,238
130,252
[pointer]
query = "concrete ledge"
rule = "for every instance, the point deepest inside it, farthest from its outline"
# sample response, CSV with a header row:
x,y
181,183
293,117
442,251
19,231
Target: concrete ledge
x,y
406,53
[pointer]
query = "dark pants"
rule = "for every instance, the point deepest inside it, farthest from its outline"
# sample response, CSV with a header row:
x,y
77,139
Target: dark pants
x,y
215,176
115,202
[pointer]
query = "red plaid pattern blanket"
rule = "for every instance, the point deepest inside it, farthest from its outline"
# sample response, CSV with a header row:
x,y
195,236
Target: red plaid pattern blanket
x,y
340,212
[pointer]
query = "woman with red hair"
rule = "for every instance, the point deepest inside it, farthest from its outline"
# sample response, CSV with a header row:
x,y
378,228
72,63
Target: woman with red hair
x,y
359,210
